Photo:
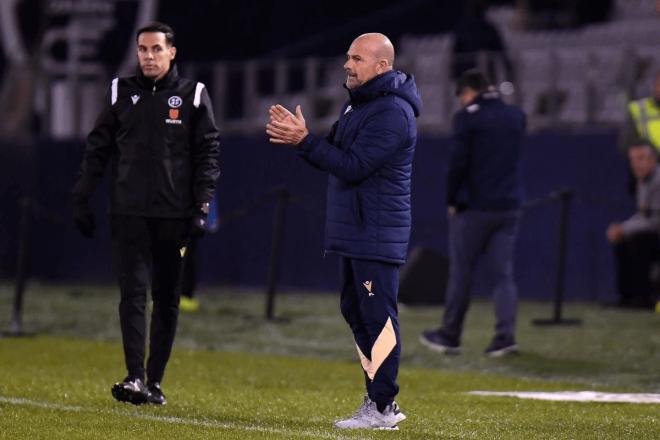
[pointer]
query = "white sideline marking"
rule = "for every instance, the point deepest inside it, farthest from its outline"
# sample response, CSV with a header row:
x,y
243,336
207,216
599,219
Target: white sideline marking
x,y
209,423
576,396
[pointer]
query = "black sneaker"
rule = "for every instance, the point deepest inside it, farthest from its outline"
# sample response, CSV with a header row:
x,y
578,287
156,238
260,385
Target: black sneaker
x,y
501,347
131,391
436,341
156,395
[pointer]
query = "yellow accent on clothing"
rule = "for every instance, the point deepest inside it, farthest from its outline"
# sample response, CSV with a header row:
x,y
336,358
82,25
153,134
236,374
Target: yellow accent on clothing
x,y
646,115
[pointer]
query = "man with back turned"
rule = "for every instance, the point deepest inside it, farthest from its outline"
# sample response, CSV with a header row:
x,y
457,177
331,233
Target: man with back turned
x,y
484,197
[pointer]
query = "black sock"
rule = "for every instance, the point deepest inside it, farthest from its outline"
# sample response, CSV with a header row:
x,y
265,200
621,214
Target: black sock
x,y
380,406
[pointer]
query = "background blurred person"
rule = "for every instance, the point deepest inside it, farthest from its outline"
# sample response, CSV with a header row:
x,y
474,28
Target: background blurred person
x,y
642,120
368,155
637,240
484,196
158,132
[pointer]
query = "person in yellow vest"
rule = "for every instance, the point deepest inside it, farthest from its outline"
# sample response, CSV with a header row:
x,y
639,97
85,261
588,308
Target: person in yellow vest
x,y
643,120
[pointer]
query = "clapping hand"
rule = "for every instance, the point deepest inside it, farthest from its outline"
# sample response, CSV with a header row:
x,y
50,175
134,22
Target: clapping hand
x,y
285,127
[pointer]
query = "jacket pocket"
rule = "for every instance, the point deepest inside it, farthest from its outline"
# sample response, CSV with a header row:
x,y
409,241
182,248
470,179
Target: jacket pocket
x,y
357,208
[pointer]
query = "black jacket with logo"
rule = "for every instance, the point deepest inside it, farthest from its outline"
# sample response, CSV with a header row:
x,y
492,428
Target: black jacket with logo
x,y
162,142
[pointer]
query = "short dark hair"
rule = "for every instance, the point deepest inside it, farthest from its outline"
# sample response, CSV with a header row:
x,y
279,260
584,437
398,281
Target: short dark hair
x,y
640,142
157,26
473,79
643,143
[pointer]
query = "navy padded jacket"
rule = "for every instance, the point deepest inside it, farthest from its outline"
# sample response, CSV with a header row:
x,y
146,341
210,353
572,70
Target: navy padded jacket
x,y
369,155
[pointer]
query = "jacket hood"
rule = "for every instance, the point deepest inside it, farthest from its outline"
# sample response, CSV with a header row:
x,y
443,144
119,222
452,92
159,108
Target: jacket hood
x,y
393,82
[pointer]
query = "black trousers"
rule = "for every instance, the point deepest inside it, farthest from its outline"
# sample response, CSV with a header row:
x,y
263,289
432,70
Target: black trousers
x,y
635,256
188,283
147,253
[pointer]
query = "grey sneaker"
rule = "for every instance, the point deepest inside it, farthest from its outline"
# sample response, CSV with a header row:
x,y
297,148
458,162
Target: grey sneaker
x,y
368,417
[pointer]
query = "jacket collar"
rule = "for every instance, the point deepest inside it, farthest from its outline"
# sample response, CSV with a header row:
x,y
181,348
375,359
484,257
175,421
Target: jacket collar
x,y
371,89
164,82
486,96
651,176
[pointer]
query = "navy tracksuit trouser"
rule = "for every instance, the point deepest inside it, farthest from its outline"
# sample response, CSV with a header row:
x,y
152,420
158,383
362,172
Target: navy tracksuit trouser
x,y
474,235
369,292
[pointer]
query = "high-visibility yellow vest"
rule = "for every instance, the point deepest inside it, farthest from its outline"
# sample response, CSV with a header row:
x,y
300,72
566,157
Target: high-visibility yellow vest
x,y
646,114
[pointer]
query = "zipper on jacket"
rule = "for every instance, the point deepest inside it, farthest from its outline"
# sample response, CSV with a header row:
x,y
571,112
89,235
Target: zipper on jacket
x,y
151,177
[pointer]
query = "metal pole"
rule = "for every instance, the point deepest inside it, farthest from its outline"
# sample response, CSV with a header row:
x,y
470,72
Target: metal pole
x,y
22,267
564,210
282,195
565,196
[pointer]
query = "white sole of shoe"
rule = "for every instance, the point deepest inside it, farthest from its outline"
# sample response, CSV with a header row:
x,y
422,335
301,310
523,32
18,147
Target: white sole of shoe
x,y
512,349
440,348
387,428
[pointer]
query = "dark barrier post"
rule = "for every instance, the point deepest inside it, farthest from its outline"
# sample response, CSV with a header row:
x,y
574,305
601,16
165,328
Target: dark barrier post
x,y
565,197
282,196
22,266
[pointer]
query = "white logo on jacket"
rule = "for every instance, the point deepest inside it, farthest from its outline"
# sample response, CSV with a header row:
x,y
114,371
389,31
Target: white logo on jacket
x,y
175,101
135,99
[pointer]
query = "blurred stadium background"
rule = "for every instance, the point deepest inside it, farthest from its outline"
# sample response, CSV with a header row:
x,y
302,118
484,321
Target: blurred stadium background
x,y
571,65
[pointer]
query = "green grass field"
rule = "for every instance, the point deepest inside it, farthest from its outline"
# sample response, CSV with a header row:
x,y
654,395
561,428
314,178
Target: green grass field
x,y
234,375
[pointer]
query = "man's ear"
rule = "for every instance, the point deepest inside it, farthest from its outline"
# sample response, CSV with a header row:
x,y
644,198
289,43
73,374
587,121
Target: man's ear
x,y
172,52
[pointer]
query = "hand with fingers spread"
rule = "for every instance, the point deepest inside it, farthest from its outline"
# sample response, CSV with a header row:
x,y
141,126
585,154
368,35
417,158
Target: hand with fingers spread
x,y
285,127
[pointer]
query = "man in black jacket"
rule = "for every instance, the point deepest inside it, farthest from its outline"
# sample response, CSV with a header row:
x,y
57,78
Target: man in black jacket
x,y
158,132
484,197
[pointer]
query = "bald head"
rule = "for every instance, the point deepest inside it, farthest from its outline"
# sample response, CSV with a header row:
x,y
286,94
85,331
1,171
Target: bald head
x,y
369,56
380,45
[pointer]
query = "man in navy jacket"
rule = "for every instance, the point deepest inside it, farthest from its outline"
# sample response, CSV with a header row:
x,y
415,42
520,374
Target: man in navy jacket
x,y
368,155
484,196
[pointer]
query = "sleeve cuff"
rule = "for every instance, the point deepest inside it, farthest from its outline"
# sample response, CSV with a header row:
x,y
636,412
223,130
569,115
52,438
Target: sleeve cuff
x,y
308,144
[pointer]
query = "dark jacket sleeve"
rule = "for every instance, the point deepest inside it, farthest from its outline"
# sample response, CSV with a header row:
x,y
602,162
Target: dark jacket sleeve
x,y
205,151
330,138
381,136
459,159
98,150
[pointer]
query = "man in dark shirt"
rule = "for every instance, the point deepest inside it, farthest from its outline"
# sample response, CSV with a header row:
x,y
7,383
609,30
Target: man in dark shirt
x,y
484,197
637,240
